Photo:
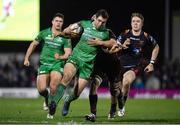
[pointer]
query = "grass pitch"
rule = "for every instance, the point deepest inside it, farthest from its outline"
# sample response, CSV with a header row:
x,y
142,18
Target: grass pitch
x,y
29,111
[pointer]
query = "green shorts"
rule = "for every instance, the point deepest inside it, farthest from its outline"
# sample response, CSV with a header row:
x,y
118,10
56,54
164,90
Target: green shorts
x,y
84,68
47,68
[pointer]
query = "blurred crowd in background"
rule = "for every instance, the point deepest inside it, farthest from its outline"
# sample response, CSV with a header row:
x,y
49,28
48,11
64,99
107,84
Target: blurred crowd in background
x,y
14,74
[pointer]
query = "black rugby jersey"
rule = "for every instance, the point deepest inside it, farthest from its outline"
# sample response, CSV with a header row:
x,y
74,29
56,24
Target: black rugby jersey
x,y
138,48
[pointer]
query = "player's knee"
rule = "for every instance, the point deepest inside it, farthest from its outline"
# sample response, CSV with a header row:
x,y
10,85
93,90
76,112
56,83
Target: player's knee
x,y
54,83
98,80
114,91
41,88
127,81
126,87
43,92
66,79
53,87
129,78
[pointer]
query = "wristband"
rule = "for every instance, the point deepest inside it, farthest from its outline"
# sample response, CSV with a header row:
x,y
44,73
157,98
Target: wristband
x,y
152,62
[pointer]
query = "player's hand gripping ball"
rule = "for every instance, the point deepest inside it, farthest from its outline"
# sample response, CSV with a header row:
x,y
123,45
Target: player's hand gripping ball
x,y
76,30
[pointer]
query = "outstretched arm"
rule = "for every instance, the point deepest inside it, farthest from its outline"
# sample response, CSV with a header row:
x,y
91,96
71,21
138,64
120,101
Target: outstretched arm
x,y
118,46
97,42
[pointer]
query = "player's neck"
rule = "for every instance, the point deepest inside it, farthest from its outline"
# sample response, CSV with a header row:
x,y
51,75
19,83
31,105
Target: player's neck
x,y
94,26
136,33
55,32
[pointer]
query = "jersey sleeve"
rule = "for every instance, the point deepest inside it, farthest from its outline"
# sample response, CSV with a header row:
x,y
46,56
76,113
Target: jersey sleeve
x,y
67,43
80,23
39,37
111,34
121,38
152,41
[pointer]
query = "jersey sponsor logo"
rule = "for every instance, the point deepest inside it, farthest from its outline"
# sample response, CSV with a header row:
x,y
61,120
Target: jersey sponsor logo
x,y
137,51
119,40
88,28
132,38
42,71
59,39
49,37
47,64
88,34
52,43
129,66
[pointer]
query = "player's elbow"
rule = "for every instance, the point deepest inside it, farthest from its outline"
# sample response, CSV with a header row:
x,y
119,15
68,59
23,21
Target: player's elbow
x,y
67,54
156,48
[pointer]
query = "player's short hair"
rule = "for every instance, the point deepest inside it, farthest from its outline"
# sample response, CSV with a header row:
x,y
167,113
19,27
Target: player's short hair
x,y
138,15
103,13
58,15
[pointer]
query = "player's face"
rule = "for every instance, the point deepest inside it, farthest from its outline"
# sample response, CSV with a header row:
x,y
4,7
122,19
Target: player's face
x,y
57,23
136,24
99,22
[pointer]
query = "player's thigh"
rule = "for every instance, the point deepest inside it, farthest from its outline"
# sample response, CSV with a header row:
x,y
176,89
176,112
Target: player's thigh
x,y
56,72
42,81
85,70
128,77
69,72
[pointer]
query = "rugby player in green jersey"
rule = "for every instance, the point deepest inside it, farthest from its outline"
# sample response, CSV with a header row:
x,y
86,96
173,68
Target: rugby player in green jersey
x,y
55,50
82,59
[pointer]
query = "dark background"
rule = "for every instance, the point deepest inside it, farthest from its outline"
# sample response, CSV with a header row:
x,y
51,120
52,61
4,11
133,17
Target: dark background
x,y
119,11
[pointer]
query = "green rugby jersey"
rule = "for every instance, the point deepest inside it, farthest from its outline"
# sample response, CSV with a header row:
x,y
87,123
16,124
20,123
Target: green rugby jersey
x,y
86,52
51,46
